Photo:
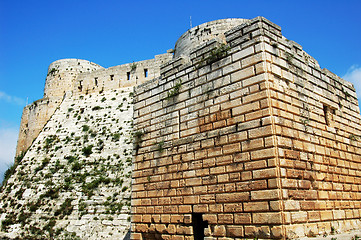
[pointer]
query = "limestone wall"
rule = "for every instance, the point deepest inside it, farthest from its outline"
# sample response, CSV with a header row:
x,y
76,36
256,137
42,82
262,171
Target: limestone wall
x,y
33,120
62,74
208,153
81,77
74,182
317,133
258,142
126,75
60,79
243,140
203,33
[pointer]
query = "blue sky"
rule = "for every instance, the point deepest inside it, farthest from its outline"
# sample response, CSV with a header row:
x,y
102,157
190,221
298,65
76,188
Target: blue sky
x,y
35,33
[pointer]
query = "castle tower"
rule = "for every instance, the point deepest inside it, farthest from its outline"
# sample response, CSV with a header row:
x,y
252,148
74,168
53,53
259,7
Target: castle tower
x,y
249,139
60,79
62,74
203,33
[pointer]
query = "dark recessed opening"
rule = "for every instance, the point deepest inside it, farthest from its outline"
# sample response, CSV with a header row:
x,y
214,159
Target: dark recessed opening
x,y
145,72
128,75
96,81
80,87
111,77
328,114
198,226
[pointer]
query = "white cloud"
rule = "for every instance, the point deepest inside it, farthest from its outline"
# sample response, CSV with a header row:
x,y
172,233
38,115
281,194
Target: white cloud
x,y
8,140
354,76
12,99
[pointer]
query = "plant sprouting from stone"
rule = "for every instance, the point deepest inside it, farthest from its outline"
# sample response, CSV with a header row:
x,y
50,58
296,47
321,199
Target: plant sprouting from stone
x,y
218,53
87,150
353,137
159,146
52,71
289,58
175,90
85,128
133,67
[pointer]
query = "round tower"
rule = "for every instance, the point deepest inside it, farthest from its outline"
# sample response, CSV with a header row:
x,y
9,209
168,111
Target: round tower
x,y
203,33
62,74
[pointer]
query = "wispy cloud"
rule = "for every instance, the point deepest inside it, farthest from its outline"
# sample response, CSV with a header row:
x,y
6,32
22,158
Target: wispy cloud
x,y
354,76
8,140
12,99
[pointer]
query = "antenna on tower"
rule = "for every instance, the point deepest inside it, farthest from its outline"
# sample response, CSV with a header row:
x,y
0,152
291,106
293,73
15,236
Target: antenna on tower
x,y
190,20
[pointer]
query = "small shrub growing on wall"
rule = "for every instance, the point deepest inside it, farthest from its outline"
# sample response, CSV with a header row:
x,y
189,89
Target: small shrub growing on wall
x,y
218,53
87,150
85,128
175,90
160,146
133,67
96,108
52,71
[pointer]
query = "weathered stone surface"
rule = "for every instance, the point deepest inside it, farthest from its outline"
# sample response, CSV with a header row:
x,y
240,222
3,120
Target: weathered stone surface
x,y
76,174
245,140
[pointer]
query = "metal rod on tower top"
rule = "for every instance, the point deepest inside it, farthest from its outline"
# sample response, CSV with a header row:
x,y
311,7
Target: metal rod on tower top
x,y
190,20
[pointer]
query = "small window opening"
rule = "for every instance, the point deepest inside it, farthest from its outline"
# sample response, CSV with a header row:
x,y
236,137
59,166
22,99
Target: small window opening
x,y
198,226
145,72
328,114
111,77
128,75
96,81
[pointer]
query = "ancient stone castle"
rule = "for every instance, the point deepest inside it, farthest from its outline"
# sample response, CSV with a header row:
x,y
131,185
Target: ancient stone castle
x,y
236,133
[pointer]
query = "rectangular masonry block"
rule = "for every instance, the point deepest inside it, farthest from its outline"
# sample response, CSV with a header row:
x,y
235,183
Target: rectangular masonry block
x,y
265,194
235,231
242,218
267,218
255,206
232,197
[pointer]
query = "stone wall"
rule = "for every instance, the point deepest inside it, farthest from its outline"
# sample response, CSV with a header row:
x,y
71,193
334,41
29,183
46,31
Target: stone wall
x,y
81,77
33,120
316,130
62,74
126,75
258,142
239,140
74,182
203,33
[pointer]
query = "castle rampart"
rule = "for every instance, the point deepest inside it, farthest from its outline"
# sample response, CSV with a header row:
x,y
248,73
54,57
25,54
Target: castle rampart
x,y
33,120
81,77
240,134
203,33
126,75
254,140
62,74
